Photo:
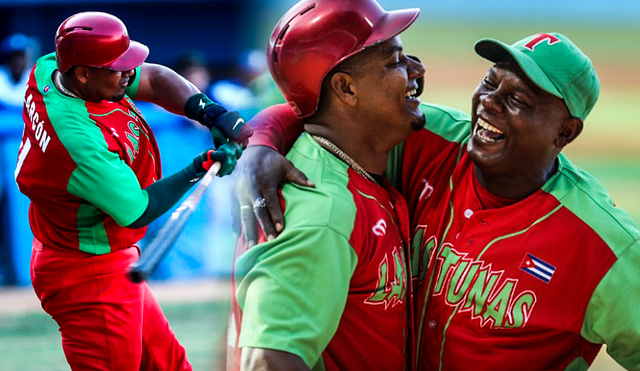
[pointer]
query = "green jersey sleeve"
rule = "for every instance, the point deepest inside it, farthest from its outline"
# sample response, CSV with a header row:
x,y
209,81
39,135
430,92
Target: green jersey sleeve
x,y
294,291
613,313
101,177
132,89
104,180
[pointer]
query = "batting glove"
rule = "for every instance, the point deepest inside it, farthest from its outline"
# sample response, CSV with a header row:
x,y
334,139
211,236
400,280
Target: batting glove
x,y
225,126
227,155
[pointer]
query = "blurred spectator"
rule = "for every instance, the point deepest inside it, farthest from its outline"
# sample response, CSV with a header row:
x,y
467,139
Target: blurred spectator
x,y
266,91
193,66
17,53
232,89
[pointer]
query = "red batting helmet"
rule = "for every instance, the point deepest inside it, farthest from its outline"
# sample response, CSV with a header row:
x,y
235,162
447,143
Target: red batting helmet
x,y
314,36
97,39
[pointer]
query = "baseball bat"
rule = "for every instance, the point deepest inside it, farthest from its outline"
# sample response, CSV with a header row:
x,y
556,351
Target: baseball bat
x,y
162,242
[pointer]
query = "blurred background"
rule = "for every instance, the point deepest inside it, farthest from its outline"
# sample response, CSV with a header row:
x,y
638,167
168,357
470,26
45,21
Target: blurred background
x,y
220,45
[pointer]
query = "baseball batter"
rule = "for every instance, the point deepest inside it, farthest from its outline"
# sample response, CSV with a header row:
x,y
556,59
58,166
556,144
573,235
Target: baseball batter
x,y
331,292
519,258
90,165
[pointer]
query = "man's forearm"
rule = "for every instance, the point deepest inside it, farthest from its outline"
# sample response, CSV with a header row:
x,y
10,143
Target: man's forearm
x,y
165,193
258,359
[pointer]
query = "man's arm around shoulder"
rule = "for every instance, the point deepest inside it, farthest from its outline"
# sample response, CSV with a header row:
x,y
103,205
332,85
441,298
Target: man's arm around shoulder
x,y
259,359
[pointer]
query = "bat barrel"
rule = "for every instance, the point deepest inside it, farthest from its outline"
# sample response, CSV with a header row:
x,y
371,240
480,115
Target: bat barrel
x,y
160,245
167,235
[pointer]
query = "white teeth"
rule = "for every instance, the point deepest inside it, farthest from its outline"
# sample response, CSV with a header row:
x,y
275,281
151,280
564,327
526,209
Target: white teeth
x,y
485,125
481,133
411,93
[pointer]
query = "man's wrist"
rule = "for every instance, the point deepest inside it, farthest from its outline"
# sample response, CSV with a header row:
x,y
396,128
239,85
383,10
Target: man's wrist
x,y
199,104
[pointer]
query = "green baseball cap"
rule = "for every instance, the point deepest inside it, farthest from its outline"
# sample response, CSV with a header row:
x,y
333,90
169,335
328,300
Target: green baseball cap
x,y
553,63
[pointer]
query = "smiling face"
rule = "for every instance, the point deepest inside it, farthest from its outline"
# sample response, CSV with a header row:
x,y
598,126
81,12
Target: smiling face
x,y
386,86
518,129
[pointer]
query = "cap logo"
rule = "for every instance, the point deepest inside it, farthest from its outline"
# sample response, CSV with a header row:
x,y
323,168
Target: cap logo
x,y
541,37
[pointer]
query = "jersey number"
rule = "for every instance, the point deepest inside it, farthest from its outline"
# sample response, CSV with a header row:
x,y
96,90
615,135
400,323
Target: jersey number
x,y
25,147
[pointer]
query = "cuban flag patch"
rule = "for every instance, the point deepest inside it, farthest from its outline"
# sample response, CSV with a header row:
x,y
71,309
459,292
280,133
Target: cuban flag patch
x,y
537,267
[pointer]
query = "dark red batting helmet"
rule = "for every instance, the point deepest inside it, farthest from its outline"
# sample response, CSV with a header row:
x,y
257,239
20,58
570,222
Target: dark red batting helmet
x,y
97,39
314,36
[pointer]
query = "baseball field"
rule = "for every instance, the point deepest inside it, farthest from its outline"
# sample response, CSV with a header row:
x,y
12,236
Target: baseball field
x,y
609,148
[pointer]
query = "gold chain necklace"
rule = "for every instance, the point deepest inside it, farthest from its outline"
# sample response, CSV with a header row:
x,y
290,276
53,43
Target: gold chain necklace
x,y
324,142
58,82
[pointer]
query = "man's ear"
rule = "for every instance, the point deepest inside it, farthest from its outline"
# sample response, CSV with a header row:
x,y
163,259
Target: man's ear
x,y
343,86
82,74
569,130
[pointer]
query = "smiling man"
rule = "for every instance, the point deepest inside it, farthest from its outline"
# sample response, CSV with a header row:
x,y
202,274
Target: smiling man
x,y
520,260
332,292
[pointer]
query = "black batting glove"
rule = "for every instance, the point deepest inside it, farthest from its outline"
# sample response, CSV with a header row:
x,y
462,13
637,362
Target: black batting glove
x,y
237,130
225,126
227,155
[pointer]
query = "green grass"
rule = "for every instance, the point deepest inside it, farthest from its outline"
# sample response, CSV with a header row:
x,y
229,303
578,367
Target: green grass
x,y
609,44
32,342
608,148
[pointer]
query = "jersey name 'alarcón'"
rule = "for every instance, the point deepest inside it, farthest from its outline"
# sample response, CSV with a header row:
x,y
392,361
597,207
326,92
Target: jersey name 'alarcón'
x,y
83,165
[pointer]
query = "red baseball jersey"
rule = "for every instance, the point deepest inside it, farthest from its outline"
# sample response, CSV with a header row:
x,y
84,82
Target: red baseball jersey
x,y
537,284
332,287
84,166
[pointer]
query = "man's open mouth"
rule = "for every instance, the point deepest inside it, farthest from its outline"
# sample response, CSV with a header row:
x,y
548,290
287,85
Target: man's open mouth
x,y
487,131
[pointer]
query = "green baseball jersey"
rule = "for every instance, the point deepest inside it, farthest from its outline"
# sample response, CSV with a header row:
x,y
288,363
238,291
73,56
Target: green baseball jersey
x,y
332,287
84,166
538,284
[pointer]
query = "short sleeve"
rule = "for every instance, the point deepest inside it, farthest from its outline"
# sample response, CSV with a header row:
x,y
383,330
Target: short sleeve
x,y
613,313
106,181
132,89
294,291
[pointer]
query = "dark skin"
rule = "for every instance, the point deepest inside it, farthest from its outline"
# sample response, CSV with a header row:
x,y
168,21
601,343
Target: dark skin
x,y
258,359
374,100
374,96
534,127
158,84
362,103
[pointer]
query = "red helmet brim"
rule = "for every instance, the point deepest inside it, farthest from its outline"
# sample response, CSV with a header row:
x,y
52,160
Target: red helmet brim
x,y
393,24
132,58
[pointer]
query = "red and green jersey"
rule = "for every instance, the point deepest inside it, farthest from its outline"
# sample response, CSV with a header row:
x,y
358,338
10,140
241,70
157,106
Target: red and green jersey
x,y
84,166
539,284
332,287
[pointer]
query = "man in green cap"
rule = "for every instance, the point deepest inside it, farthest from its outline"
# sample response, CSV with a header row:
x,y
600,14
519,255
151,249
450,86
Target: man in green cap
x,y
520,260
